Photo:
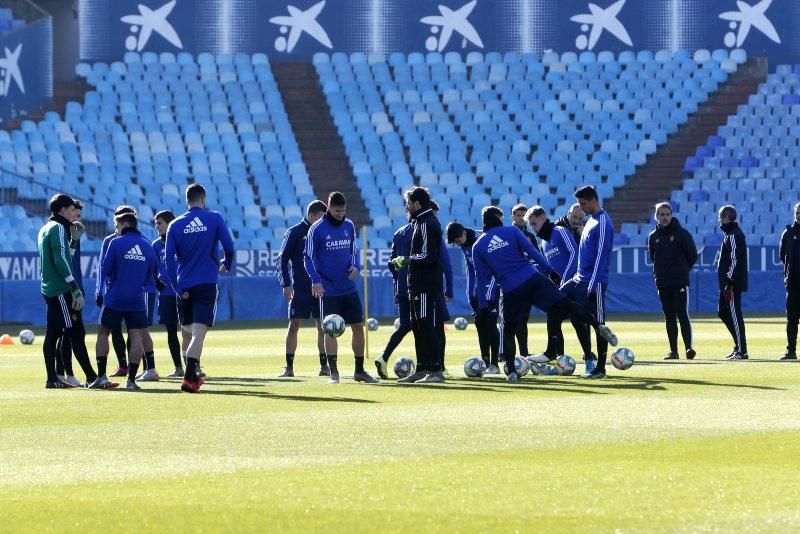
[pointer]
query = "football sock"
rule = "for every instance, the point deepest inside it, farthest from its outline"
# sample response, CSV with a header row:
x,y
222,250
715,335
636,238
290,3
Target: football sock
x,y
132,368
102,361
191,369
332,363
150,360
359,364
143,362
289,360
118,340
174,345
323,359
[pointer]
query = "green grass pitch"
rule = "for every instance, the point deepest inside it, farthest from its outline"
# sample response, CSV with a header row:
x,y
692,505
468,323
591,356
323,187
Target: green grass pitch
x,y
665,446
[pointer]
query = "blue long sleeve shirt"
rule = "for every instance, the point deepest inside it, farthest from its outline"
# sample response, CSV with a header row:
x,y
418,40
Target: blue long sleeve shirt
x,y
401,246
292,271
466,249
331,250
594,251
192,248
128,267
77,269
448,271
562,252
500,253
101,283
161,255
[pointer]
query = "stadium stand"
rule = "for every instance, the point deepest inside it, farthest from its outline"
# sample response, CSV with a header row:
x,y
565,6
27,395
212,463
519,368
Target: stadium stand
x,y
8,23
505,128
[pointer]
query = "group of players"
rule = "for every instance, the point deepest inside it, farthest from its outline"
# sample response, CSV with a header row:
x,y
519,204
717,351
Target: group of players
x,y
507,274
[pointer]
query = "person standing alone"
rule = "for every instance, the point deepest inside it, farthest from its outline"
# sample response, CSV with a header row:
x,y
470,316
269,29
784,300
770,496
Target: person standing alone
x,y
732,276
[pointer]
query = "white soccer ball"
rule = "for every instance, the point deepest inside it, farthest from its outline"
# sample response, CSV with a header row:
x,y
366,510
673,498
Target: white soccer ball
x,y
565,365
333,325
403,367
474,367
521,366
536,368
622,358
460,323
26,337
397,324
372,324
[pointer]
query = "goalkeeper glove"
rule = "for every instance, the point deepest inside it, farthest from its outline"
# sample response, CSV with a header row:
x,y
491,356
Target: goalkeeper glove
x,y
400,262
77,296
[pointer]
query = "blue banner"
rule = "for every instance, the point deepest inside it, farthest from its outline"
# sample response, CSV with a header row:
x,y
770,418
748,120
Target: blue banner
x,y
297,29
26,69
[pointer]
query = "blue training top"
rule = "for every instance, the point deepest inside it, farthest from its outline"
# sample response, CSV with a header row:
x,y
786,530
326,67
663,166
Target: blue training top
x,y
128,267
161,255
562,252
331,251
401,246
594,251
292,252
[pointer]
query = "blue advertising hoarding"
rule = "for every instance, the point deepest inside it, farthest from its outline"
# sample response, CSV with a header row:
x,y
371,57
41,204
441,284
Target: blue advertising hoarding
x,y
26,69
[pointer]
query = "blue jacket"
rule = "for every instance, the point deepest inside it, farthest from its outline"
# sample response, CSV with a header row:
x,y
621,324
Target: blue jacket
x,y
466,249
77,269
560,249
292,251
101,283
401,246
594,251
128,267
331,250
500,259
192,248
161,255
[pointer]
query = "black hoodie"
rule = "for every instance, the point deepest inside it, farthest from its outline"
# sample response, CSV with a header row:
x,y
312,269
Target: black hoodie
x,y
732,268
563,221
426,265
673,253
790,254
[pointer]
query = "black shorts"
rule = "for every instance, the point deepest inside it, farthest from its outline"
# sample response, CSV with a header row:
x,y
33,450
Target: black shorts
x,y
303,305
151,307
200,307
167,309
111,319
348,307
60,314
537,291
404,309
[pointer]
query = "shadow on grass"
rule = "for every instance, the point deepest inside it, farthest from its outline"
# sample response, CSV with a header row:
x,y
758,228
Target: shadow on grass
x,y
250,393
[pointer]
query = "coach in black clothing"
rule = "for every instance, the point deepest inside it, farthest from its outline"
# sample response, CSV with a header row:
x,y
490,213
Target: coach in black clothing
x,y
790,256
732,276
673,253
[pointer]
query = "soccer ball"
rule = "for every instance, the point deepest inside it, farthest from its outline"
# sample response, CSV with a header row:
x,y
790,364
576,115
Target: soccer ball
x,y
565,365
536,368
460,323
372,324
26,337
622,358
521,366
397,324
403,367
474,367
333,325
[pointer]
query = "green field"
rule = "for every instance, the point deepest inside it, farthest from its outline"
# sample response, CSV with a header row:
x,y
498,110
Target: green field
x,y
665,446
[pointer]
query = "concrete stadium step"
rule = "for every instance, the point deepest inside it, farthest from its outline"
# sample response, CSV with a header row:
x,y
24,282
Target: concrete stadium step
x,y
319,142
663,172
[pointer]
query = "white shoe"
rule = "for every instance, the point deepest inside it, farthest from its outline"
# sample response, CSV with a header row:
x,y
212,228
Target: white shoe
x,y
63,378
72,381
132,386
540,358
492,370
177,373
151,375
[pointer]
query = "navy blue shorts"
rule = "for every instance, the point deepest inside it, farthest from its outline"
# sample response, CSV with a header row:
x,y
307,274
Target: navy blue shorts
x,y
167,309
348,307
303,305
578,291
537,291
151,307
404,309
112,319
442,313
200,307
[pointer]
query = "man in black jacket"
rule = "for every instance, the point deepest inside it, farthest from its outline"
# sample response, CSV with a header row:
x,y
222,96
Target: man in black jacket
x,y
790,256
732,276
673,253
425,273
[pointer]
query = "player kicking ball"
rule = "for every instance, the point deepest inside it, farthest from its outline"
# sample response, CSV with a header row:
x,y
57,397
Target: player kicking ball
x,y
129,265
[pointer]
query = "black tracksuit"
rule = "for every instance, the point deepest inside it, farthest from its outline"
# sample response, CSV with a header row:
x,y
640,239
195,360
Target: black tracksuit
x,y
790,256
425,273
732,276
673,253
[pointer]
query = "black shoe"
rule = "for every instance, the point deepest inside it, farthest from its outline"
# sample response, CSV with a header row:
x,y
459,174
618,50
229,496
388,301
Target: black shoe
x,y
789,356
57,384
288,372
737,356
324,370
410,379
690,354
671,356
363,376
595,374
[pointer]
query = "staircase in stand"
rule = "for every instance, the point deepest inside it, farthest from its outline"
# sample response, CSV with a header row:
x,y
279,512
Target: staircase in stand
x,y
663,171
317,137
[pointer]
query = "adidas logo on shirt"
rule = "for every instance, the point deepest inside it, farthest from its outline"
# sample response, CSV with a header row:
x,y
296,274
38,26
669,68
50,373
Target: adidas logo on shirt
x,y
135,254
496,243
195,226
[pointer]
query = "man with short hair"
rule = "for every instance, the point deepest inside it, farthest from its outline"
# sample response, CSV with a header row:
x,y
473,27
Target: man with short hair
x,y
588,286
63,298
193,267
488,336
790,257
504,253
167,298
732,277
297,287
673,254
117,339
129,267
332,263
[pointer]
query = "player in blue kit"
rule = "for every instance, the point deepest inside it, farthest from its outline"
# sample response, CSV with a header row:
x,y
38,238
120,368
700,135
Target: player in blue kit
x,y
129,265
167,298
193,267
504,253
332,264
297,287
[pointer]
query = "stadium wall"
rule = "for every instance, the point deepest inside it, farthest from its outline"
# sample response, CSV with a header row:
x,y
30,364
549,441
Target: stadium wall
x,y
30,50
249,26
